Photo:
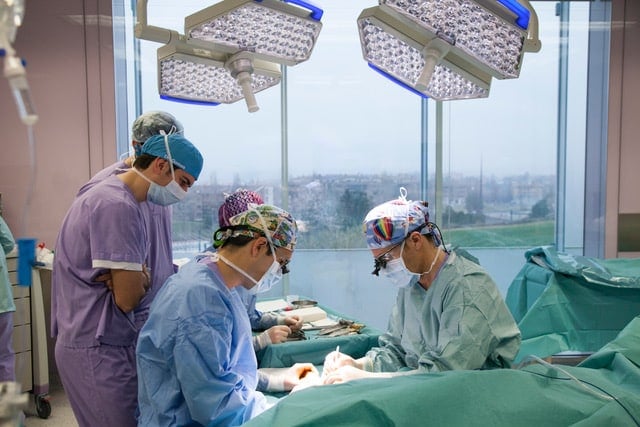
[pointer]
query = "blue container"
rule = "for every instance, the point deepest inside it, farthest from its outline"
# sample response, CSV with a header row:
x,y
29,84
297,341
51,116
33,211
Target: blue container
x,y
26,260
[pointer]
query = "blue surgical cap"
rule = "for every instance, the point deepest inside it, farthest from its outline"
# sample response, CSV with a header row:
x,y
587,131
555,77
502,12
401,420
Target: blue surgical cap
x,y
183,153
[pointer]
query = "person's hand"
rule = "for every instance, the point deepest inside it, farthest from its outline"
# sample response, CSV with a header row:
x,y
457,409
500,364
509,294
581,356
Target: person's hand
x,y
106,279
335,360
294,322
344,374
278,333
301,375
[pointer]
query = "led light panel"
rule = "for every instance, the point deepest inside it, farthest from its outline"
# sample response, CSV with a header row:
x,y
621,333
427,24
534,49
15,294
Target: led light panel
x,y
493,39
271,29
401,58
189,78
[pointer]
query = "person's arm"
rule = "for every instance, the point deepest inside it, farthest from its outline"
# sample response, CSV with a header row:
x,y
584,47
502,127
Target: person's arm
x,y
6,238
128,288
389,355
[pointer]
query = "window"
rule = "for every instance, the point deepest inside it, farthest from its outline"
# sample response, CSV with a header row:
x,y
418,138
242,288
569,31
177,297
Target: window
x,y
351,138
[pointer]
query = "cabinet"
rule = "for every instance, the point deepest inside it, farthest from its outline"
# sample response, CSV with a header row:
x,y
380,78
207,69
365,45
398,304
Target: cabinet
x,y
30,338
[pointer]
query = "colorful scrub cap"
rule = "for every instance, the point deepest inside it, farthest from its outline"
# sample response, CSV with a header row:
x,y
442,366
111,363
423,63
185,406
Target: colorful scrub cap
x,y
279,223
151,123
390,223
183,153
235,203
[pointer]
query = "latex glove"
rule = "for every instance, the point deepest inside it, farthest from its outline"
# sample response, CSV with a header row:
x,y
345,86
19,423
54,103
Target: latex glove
x,y
293,376
335,360
273,335
294,322
344,374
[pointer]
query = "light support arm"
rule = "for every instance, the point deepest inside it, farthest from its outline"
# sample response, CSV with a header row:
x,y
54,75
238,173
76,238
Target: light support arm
x,y
150,32
241,68
433,54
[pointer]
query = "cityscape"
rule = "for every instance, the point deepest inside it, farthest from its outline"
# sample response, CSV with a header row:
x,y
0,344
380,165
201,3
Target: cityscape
x,y
329,209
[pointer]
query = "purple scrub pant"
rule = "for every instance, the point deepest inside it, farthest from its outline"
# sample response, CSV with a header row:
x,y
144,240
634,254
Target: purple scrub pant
x,y
7,356
101,384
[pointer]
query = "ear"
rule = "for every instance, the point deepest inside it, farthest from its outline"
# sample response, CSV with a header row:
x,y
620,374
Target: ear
x,y
159,165
257,245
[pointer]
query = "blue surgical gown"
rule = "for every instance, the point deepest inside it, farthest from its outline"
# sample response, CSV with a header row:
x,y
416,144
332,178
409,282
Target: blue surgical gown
x,y
460,322
195,357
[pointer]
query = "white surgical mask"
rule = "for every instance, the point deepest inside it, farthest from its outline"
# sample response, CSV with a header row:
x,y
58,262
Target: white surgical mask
x,y
399,274
269,279
168,194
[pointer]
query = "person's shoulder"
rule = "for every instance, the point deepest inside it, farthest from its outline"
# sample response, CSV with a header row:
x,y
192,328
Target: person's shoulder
x,y
114,169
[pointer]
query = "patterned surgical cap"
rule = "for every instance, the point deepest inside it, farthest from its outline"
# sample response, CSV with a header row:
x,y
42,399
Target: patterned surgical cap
x,y
236,203
151,123
280,225
391,222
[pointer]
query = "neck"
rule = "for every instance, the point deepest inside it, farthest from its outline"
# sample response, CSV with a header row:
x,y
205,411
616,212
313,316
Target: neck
x,y
138,185
427,278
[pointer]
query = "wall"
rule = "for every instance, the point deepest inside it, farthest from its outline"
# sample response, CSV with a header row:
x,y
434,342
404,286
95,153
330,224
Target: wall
x,y
69,52
622,226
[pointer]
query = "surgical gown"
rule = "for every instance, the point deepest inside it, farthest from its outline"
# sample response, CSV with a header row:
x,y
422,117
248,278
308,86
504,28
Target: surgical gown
x,y
460,322
160,260
196,363
105,228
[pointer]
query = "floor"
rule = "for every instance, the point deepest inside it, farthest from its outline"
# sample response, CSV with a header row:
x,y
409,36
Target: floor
x,y
61,413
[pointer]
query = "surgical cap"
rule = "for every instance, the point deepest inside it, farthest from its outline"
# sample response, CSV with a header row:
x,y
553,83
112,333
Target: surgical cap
x,y
183,153
235,203
151,123
279,224
391,222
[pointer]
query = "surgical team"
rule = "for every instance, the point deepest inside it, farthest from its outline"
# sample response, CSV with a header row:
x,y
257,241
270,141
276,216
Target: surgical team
x,y
141,342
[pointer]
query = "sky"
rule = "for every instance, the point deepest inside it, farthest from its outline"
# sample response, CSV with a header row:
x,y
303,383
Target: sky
x,y
345,118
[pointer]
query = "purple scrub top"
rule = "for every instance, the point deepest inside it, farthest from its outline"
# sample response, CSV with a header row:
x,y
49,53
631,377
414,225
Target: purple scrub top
x,y
160,260
107,225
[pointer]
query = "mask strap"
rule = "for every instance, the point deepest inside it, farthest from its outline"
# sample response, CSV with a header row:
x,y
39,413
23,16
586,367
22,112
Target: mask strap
x,y
166,145
235,267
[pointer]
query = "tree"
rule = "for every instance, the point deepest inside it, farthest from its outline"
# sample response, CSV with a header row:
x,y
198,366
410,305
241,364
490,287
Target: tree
x,y
540,210
352,207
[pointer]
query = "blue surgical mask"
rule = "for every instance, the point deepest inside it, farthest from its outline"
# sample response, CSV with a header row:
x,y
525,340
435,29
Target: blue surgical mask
x,y
167,195
269,279
397,271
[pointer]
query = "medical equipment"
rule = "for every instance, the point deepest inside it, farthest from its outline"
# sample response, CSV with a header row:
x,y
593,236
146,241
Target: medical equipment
x,y
231,50
11,13
448,49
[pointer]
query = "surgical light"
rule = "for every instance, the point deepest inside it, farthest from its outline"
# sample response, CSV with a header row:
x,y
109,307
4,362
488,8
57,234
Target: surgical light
x,y
233,49
213,79
277,31
392,46
448,49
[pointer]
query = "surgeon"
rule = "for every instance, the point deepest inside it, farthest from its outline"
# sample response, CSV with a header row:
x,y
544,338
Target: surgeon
x,y
160,259
196,362
105,232
274,328
448,314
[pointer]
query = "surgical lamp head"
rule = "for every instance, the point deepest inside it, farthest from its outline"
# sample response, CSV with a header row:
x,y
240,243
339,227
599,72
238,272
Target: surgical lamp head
x,y
448,49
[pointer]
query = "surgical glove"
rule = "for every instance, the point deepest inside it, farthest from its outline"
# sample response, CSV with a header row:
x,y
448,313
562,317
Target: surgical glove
x,y
291,377
335,360
344,374
273,335
294,322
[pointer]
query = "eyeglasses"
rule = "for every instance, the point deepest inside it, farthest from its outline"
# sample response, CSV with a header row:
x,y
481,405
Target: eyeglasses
x,y
284,265
381,260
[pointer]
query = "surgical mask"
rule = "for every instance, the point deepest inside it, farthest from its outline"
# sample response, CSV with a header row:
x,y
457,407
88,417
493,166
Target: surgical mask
x,y
168,194
269,279
398,273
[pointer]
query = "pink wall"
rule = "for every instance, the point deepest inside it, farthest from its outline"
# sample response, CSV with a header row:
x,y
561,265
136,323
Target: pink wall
x,y
70,72
623,150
